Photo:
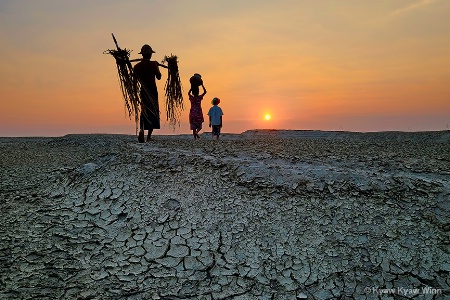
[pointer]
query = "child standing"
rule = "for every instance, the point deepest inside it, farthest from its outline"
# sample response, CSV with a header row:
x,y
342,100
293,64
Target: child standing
x,y
196,113
215,118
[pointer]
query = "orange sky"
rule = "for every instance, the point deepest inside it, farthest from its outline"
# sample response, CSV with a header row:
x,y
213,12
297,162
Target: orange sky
x,y
326,65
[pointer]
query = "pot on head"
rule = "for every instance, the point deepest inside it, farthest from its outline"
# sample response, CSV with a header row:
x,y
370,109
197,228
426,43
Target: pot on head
x,y
196,80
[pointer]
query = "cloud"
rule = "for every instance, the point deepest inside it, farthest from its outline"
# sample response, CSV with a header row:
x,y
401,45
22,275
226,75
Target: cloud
x,y
415,6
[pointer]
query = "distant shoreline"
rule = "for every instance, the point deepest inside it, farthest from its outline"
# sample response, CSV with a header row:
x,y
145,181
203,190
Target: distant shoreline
x,y
441,136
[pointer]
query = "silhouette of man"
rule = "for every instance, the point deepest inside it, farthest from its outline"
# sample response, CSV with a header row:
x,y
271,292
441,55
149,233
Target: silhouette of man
x,y
148,71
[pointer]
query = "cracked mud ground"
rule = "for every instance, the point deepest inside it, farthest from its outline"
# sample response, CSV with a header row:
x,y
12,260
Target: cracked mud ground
x,y
254,216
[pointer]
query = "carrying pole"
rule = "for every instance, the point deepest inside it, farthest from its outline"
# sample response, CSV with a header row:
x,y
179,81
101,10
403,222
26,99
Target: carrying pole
x,y
115,41
133,60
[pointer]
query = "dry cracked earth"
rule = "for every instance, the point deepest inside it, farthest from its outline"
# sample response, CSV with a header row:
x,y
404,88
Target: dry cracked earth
x,y
260,215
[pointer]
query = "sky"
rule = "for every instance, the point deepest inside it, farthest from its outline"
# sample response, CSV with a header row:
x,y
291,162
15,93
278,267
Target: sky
x,y
353,65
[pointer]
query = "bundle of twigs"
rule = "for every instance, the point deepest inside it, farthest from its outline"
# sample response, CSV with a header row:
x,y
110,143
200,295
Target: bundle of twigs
x,y
174,93
129,84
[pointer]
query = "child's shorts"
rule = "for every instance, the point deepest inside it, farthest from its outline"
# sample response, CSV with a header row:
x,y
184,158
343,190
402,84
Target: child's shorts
x,y
216,130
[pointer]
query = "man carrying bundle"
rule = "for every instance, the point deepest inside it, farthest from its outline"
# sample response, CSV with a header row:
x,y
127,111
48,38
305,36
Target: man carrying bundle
x,y
147,70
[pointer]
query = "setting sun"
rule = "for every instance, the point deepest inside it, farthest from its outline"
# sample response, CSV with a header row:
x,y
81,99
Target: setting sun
x,y
267,117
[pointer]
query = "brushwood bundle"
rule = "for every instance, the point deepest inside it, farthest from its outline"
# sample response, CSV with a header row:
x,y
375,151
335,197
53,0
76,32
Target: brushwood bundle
x,y
174,93
129,84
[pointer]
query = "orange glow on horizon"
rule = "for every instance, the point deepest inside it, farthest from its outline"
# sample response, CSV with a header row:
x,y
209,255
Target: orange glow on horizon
x,y
375,75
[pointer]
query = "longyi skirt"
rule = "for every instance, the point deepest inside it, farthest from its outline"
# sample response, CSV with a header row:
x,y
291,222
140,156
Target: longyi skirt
x,y
149,118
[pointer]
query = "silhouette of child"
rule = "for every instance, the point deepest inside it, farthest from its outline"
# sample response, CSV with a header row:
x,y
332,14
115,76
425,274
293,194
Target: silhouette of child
x,y
215,118
196,114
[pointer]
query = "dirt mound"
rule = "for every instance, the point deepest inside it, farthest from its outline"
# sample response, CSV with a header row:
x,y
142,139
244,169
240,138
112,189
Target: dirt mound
x,y
261,215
